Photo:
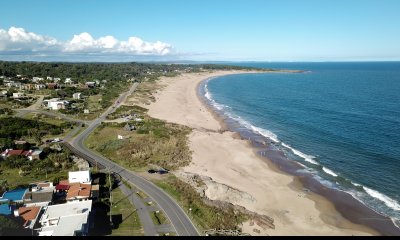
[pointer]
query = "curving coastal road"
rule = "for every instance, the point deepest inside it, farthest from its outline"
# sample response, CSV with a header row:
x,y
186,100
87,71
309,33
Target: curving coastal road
x,y
176,215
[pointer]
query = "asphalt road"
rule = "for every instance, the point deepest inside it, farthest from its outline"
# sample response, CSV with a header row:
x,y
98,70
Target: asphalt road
x,y
176,215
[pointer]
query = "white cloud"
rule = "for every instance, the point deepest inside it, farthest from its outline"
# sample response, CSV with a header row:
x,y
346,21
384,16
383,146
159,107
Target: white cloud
x,y
17,40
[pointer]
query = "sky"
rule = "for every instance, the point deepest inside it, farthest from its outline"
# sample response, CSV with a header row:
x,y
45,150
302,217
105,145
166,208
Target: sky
x,y
200,30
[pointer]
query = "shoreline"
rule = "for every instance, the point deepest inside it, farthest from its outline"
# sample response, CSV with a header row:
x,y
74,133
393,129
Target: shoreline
x,y
216,146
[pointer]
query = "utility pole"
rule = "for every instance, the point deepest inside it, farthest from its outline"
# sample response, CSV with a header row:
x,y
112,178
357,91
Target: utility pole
x,y
110,189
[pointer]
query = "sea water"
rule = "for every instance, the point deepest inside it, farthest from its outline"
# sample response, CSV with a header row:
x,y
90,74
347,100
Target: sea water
x,y
341,121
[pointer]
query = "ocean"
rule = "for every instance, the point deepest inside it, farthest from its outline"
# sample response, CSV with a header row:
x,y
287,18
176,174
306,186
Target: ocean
x,y
340,123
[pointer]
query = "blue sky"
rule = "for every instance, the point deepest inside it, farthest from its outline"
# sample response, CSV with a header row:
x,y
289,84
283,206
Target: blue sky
x,y
261,30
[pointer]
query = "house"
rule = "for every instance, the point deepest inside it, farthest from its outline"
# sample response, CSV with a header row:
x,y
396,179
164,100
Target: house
x,y
79,191
40,86
37,79
68,81
129,127
86,111
49,78
69,219
31,154
39,194
79,177
56,104
52,85
18,95
28,86
29,215
3,93
90,84
56,79
13,84
77,95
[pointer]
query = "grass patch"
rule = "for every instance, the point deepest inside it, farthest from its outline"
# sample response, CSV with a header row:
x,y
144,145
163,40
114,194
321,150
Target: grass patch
x,y
155,143
159,218
123,210
124,110
143,94
141,194
204,216
45,118
14,179
93,103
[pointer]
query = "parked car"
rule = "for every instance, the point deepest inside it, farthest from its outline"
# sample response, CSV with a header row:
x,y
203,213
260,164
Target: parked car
x,y
151,171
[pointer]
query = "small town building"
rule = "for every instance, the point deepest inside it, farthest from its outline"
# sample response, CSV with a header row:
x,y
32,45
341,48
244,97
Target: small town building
x,y
29,215
77,95
40,86
52,85
33,154
56,104
18,95
90,84
69,219
39,194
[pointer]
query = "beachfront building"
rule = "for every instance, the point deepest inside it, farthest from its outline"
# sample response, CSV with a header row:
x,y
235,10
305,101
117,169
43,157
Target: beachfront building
x,y
69,219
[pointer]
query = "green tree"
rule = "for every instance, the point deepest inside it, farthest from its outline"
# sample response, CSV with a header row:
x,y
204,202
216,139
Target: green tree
x,y
36,135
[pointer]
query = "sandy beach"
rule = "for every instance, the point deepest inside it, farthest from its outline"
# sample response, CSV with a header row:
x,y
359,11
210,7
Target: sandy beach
x,y
238,174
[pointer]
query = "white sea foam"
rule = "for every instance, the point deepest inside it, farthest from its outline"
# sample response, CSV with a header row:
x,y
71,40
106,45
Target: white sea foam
x,y
356,184
385,199
261,131
241,121
330,172
307,158
209,97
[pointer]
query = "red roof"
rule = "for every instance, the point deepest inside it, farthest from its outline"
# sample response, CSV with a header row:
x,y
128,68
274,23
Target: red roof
x,y
62,187
16,153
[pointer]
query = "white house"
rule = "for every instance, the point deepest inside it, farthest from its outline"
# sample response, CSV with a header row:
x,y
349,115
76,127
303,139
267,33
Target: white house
x,y
40,86
37,79
79,177
69,219
56,104
57,79
18,95
90,84
13,84
68,81
76,95
49,78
